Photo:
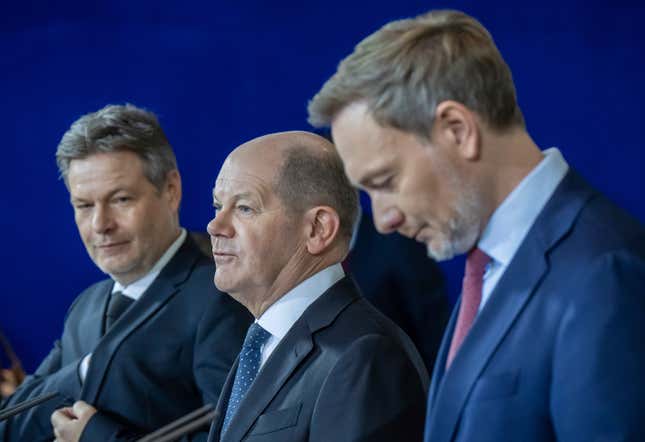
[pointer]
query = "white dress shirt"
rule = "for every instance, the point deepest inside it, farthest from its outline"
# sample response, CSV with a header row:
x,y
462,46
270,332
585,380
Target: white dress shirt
x,y
135,289
513,219
281,316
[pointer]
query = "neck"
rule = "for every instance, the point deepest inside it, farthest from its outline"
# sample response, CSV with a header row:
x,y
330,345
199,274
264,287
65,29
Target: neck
x,y
300,268
510,157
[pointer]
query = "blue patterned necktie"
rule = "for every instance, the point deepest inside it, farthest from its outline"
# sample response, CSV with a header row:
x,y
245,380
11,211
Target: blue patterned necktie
x,y
247,369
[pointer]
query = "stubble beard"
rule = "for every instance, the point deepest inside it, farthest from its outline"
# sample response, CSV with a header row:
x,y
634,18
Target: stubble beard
x,y
463,230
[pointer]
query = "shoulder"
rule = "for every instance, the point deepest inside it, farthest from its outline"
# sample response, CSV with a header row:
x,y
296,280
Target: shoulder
x,y
582,229
91,297
361,332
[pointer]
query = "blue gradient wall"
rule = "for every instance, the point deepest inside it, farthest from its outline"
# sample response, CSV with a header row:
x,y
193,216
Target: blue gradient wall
x,y
220,73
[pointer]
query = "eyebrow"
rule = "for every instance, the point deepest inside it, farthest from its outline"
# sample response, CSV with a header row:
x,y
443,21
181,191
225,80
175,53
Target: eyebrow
x,y
109,195
370,175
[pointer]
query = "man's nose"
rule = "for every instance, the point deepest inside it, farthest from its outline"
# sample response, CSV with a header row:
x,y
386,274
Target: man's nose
x,y
102,219
387,217
220,225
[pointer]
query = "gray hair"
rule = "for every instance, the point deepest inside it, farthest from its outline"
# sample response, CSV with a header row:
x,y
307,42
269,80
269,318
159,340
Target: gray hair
x,y
311,178
405,69
118,128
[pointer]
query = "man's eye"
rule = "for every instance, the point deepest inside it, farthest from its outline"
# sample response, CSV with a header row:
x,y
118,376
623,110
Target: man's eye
x,y
381,183
123,199
244,209
82,206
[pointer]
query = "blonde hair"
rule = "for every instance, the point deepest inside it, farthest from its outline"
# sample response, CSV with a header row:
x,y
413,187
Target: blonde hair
x,y
406,68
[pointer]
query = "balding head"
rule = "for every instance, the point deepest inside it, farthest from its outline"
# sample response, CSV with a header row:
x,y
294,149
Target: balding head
x,y
306,172
284,211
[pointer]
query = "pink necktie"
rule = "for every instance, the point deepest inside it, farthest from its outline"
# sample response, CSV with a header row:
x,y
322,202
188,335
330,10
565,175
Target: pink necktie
x,y
471,296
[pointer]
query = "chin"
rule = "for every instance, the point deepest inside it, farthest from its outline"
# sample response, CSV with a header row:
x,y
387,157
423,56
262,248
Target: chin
x,y
222,284
442,253
113,270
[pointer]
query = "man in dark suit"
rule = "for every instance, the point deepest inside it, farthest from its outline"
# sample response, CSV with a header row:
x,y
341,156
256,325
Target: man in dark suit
x,y
154,341
546,341
320,363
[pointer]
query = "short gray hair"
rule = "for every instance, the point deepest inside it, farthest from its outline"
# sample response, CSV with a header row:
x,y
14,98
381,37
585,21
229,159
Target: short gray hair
x,y
118,128
405,69
309,178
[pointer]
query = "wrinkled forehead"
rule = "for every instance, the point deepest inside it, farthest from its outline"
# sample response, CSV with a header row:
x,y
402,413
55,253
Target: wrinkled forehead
x,y
244,174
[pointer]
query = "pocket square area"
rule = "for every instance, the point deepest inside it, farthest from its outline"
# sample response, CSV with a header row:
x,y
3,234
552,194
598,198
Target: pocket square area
x,y
496,386
276,420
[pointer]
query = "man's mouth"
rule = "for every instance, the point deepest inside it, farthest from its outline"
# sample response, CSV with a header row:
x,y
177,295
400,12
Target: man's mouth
x,y
110,245
222,257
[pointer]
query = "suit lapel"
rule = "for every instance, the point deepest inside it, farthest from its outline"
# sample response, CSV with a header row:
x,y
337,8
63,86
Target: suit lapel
x,y
442,355
519,283
222,403
287,357
167,284
91,322
293,348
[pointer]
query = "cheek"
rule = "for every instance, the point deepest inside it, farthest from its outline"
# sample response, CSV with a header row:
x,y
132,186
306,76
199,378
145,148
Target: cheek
x,y
262,252
429,195
139,225
255,252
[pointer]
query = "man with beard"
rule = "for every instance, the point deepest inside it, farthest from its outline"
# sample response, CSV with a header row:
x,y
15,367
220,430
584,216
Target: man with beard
x,y
546,341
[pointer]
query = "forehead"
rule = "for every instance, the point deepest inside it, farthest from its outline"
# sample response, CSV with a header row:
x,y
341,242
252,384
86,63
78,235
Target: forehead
x,y
245,174
364,146
102,170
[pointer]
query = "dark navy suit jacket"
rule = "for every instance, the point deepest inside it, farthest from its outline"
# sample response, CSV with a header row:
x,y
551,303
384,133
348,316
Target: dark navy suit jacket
x,y
558,352
343,372
167,355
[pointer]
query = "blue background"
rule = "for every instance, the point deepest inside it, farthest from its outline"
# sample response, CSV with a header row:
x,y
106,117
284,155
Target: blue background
x,y
221,73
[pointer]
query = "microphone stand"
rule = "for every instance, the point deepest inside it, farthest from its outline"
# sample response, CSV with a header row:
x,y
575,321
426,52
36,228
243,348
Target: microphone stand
x,y
25,405
182,426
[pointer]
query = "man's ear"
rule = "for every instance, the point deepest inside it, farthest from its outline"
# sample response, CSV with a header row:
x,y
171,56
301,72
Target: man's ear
x,y
322,224
457,126
172,188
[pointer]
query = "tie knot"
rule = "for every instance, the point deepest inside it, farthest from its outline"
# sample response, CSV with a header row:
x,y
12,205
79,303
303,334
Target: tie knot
x,y
476,262
118,304
256,336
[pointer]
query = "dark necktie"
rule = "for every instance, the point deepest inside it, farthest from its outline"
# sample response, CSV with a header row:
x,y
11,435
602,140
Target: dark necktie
x,y
119,303
471,296
247,369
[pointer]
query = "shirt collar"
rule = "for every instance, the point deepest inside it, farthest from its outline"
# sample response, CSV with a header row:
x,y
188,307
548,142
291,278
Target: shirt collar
x,y
282,314
135,289
512,220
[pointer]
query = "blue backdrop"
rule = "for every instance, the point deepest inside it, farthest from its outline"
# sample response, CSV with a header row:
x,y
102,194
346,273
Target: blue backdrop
x,y
220,73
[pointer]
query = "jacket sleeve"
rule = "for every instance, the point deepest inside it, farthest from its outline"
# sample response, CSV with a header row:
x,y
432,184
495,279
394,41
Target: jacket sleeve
x,y
218,339
598,392
51,376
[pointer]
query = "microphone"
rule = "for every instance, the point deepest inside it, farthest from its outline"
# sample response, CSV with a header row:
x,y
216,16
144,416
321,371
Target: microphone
x,y
25,405
182,426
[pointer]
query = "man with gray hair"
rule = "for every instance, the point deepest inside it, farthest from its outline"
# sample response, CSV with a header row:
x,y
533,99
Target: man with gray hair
x,y
155,340
319,363
546,341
